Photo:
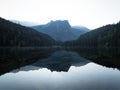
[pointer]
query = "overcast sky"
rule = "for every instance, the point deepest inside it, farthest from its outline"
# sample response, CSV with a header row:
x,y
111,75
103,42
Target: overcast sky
x,y
89,13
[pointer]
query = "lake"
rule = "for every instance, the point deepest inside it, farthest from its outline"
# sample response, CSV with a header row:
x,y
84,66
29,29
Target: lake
x,y
59,70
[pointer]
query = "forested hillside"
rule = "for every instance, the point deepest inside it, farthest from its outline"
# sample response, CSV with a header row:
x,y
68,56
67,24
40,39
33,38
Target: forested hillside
x,y
12,34
106,37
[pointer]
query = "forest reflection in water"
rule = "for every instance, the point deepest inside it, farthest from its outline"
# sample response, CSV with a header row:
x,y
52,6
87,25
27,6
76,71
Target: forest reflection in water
x,y
51,69
54,59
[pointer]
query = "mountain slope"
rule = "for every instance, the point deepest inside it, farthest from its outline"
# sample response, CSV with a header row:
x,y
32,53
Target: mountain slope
x,y
106,36
12,34
79,30
59,30
104,39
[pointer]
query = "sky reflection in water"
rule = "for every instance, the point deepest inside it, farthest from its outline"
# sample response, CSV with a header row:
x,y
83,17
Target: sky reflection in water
x,y
88,77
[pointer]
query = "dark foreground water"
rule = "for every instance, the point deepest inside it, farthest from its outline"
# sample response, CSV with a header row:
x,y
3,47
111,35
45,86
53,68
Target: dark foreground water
x,y
62,70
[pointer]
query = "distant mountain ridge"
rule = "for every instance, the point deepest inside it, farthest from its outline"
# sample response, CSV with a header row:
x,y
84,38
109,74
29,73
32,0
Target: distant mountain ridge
x,y
24,23
60,30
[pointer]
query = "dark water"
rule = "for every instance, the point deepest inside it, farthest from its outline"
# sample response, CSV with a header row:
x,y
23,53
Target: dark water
x,y
58,70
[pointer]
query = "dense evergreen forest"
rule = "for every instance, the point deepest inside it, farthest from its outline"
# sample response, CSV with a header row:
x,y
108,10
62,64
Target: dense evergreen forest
x,y
103,38
101,45
12,34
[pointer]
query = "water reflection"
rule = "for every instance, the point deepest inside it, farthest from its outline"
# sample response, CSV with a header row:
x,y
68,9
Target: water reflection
x,y
13,58
51,69
102,57
88,77
51,58
58,61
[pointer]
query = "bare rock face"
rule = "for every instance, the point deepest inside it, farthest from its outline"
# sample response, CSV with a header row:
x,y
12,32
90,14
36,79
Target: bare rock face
x,y
59,30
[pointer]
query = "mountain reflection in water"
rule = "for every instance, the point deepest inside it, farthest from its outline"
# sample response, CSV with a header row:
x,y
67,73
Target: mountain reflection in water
x,y
88,77
59,61
51,69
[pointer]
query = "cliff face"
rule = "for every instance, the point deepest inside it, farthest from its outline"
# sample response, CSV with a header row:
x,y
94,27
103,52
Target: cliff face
x,y
58,30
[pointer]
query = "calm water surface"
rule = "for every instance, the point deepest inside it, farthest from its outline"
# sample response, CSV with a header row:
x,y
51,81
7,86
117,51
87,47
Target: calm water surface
x,y
71,73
